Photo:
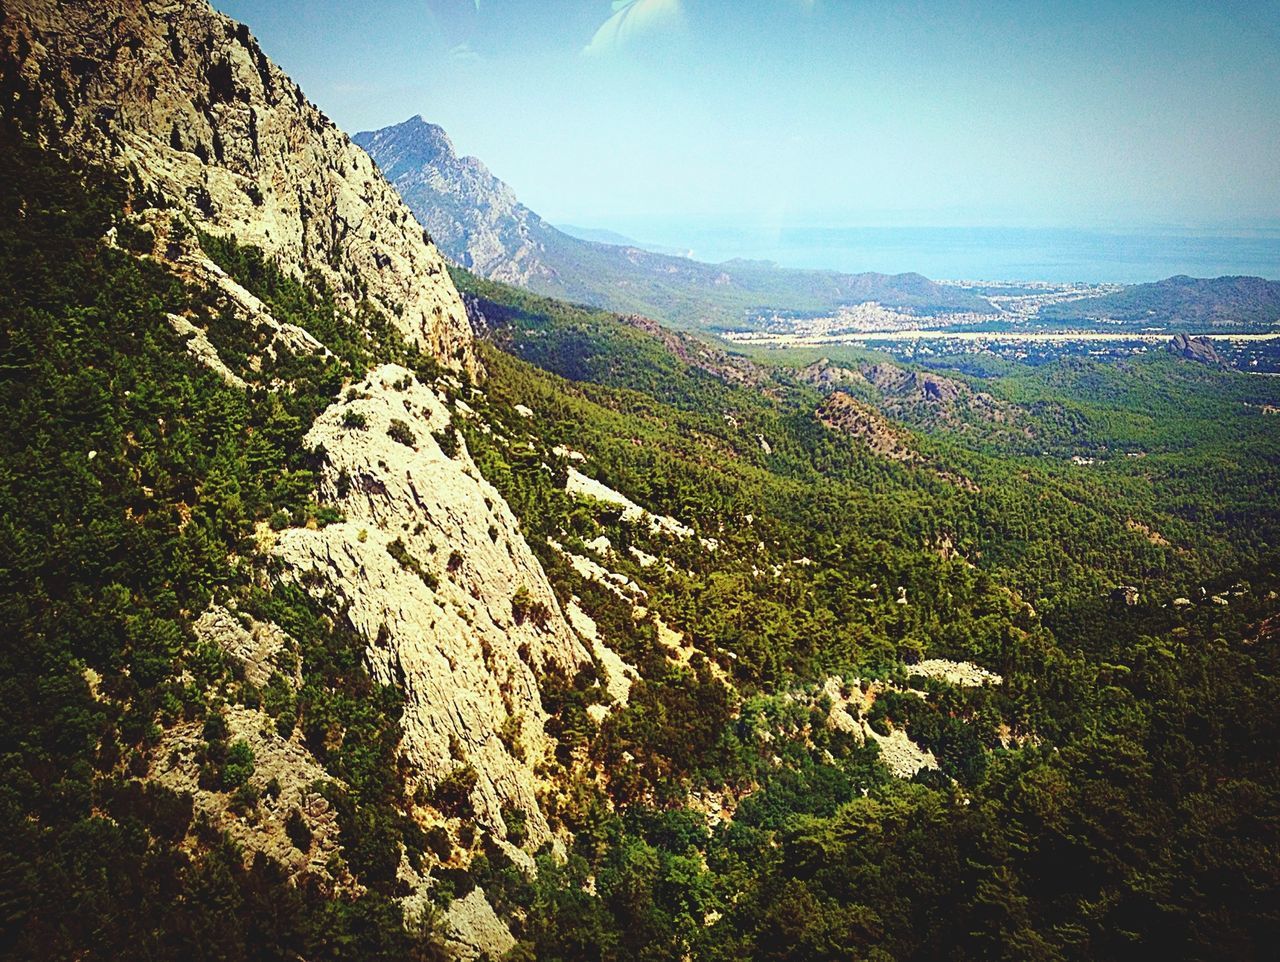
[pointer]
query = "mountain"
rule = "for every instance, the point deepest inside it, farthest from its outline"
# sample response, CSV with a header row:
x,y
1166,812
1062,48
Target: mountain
x,y
187,103
360,607
233,262
1182,303
481,225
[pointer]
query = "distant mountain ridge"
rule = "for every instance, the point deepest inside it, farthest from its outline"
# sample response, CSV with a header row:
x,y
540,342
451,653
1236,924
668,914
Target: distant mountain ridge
x,y
1183,302
604,236
480,223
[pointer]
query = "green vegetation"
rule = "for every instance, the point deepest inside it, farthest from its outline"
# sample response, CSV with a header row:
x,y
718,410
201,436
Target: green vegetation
x,y
1182,303
1184,453
1082,836
135,477
1116,796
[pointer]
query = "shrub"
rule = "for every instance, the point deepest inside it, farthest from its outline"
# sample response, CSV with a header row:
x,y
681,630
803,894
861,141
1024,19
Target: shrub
x,y
401,433
295,826
437,840
238,766
525,607
447,439
517,824
453,794
407,561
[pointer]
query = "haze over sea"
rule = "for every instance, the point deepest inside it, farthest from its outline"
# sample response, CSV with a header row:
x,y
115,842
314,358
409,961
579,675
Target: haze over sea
x,y
984,253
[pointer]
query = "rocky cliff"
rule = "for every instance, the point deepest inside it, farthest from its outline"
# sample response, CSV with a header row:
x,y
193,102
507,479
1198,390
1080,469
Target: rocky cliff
x,y
185,102
1193,349
429,565
473,215
432,569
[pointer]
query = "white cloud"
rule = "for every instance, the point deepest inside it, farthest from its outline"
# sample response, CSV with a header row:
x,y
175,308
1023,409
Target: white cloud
x,y
463,53
633,19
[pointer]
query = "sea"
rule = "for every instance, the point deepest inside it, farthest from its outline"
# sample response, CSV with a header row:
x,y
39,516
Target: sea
x,y
983,253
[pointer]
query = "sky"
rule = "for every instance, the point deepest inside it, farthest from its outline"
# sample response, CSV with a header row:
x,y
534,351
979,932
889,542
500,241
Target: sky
x,y
821,113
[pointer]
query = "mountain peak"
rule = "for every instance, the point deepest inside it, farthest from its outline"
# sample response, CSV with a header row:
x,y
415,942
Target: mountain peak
x,y
481,224
407,145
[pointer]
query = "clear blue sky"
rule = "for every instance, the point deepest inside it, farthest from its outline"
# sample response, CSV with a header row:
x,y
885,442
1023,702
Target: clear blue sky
x,y
933,112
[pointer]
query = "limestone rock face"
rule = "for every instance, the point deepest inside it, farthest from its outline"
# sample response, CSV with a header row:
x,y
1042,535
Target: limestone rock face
x,y
962,673
474,929
433,570
289,763
255,644
185,102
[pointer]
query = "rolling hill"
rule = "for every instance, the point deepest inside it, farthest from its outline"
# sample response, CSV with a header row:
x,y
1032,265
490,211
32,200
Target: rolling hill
x,y
1182,303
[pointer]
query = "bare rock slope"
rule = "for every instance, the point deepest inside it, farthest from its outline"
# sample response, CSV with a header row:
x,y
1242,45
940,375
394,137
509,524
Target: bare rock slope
x,y
185,102
471,213
439,579
430,564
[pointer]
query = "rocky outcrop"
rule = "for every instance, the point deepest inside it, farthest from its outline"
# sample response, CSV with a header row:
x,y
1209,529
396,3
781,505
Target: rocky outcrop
x,y
846,414
287,766
430,566
580,485
903,757
1193,349
256,646
826,376
184,102
921,397
202,350
474,930
848,702
1126,595
965,674
900,382
618,675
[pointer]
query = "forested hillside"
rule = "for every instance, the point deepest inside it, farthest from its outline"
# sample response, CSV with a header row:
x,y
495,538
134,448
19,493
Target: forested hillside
x,y
730,794
1194,304
1096,691
342,628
